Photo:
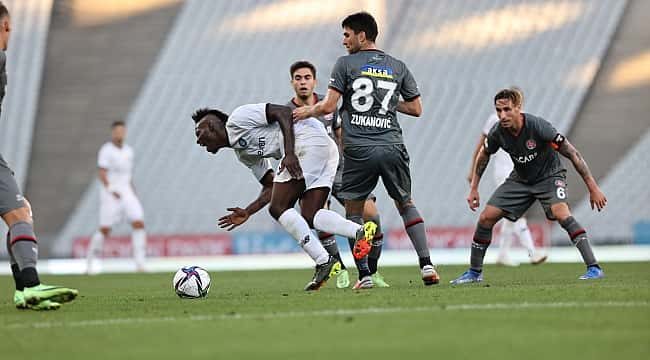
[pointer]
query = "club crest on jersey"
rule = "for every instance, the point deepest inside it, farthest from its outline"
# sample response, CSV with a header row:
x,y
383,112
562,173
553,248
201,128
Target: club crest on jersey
x,y
377,71
242,142
531,144
560,183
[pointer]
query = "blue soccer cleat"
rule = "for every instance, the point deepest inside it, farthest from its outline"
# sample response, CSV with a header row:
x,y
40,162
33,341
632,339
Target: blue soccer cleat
x,y
469,276
593,272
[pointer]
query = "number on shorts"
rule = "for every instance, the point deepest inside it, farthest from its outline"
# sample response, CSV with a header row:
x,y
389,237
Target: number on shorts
x,y
561,193
363,88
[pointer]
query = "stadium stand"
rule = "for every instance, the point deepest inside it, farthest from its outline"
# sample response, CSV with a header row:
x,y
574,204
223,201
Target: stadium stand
x,y
223,54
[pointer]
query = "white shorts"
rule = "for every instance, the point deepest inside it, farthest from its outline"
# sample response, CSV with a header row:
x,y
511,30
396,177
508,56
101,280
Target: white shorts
x,y
318,163
112,210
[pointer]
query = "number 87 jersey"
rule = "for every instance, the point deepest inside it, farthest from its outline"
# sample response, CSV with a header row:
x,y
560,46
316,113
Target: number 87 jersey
x,y
371,83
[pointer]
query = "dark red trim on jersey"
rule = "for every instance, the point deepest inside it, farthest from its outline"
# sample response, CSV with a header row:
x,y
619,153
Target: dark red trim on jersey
x,y
378,236
324,235
22,238
293,100
577,233
481,241
335,89
413,222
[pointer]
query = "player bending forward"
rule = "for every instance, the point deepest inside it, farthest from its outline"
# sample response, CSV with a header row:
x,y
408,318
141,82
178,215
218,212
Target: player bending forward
x,y
258,132
533,144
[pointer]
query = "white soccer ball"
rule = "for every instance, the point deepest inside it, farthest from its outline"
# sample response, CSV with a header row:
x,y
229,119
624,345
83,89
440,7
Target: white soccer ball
x,y
191,282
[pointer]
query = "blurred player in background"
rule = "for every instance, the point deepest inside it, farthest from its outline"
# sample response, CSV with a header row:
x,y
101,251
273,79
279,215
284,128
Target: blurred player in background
x,y
303,81
16,212
258,132
533,144
370,83
117,198
502,169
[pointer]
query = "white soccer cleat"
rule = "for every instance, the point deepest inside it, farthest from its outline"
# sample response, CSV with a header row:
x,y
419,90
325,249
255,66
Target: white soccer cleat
x,y
429,275
538,258
364,283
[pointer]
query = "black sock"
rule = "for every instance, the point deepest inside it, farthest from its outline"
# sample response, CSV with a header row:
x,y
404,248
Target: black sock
x,y
372,265
425,261
15,270
29,277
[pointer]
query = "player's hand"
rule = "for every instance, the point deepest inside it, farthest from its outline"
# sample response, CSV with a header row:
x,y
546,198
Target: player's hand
x,y
597,199
115,194
292,165
473,199
301,113
237,217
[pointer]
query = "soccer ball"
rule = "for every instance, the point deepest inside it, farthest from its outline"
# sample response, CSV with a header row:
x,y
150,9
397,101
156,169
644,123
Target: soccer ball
x,y
191,282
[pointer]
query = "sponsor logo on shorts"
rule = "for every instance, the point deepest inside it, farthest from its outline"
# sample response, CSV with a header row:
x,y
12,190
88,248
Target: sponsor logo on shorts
x,y
377,71
531,144
20,198
560,183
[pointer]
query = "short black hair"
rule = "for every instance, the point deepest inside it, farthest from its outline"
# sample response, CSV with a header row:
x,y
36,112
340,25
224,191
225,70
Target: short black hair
x,y
201,113
3,10
302,64
362,21
117,123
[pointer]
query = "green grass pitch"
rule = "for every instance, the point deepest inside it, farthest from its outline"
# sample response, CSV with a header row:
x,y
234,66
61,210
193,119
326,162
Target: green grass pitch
x,y
517,313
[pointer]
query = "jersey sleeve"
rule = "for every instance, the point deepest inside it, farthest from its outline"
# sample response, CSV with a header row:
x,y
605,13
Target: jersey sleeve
x,y
409,89
103,158
548,133
248,116
260,168
492,143
338,76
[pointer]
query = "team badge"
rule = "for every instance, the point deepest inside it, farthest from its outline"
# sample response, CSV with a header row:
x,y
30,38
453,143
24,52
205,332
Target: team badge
x,y
531,144
242,142
560,183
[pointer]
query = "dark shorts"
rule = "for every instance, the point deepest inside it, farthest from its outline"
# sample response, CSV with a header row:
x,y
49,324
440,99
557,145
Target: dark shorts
x,y
336,189
10,196
364,165
514,197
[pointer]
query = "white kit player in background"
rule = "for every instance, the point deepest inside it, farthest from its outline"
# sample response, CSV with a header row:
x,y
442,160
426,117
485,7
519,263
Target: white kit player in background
x,y
117,198
502,168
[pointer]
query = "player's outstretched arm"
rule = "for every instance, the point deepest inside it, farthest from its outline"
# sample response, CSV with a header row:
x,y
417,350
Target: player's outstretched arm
x,y
480,164
282,115
412,107
596,197
325,106
238,215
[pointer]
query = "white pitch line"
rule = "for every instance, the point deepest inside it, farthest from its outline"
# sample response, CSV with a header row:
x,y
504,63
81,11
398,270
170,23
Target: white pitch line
x,y
330,312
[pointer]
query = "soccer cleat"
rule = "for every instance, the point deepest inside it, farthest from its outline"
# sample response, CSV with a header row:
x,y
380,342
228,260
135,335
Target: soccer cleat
x,y
36,294
19,300
343,279
323,272
378,280
363,242
593,272
469,276
429,275
364,283
45,305
506,261
537,258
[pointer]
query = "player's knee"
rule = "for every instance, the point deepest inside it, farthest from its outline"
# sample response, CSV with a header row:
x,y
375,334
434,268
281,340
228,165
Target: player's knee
x,y
106,231
276,211
404,205
138,224
22,214
487,220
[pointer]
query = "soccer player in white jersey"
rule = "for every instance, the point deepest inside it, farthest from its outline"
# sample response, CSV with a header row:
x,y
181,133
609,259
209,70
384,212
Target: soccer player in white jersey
x,y
117,198
257,132
502,168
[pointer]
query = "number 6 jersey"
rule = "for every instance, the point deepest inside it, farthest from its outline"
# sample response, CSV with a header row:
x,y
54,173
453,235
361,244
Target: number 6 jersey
x,y
371,82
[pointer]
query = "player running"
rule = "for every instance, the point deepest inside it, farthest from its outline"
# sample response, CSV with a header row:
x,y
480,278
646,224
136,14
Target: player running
x,y
16,212
502,168
371,83
117,198
303,81
258,132
533,144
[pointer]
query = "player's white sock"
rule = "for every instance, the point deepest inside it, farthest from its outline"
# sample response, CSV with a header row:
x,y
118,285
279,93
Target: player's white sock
x,y
94,248
331,222
298,228
139,243
505,238
526,239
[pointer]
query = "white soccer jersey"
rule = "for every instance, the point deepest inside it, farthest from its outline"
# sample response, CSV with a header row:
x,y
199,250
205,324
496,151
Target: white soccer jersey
x,y
502,163
255,141
118,162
